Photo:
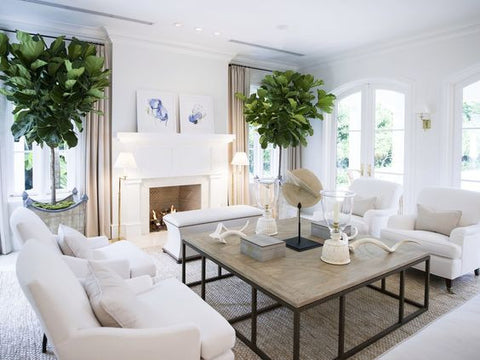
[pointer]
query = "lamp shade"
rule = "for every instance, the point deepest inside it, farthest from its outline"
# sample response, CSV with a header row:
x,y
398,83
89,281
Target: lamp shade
x,y
240,158
125,160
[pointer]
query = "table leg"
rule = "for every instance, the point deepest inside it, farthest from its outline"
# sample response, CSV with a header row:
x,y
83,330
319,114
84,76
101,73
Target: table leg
x,y
341,327
254,317
401,299
296,335
184,263
384,284
203,277
427,284
219,270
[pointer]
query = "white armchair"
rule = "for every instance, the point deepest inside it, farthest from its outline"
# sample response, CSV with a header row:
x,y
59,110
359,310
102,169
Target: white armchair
x,y
122,256
452,254
188,328
380,200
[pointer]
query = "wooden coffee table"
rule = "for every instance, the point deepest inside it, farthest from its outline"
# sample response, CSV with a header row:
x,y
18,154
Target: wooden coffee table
x,y
300,280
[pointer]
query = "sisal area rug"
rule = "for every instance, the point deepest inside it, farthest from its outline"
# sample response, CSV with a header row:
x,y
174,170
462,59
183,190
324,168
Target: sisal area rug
x,y
367,312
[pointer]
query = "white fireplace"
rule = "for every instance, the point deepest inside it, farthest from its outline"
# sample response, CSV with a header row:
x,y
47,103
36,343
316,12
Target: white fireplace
x,y
170,160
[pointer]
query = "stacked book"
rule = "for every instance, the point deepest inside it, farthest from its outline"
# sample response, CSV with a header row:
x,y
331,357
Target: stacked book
x,y
262,247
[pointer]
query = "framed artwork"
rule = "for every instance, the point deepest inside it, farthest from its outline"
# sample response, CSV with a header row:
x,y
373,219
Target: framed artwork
x,y
196,114
156,111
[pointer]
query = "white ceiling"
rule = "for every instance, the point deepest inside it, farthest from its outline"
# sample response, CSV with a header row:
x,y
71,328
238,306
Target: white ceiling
x,y
319,29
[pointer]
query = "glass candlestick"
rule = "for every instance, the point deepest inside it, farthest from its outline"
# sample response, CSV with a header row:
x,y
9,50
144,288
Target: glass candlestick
x,y
266,194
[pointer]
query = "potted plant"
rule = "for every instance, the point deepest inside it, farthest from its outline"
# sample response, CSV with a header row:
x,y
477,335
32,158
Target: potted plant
x,y
52,88
282,107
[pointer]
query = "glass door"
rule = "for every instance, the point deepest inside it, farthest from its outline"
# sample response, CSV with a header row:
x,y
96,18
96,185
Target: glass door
x,y
370,135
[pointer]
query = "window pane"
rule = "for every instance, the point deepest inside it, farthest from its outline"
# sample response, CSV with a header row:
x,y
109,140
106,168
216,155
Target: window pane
x,y
470,160
22,166
470,155
471,105
348,139
389,131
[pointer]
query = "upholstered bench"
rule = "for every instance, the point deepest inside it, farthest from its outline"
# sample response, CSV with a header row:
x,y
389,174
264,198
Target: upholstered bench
x,y
194,221
452,336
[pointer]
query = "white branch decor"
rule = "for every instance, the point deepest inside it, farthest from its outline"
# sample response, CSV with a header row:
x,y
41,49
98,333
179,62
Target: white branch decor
x,y
355,244
217,234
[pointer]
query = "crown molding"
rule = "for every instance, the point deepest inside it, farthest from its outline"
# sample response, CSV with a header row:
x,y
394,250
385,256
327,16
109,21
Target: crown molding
x,y
392,45
85,33
270,65
116,36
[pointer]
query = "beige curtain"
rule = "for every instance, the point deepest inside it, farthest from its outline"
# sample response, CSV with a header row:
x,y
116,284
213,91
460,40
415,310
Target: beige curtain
x,y
238,81
293,158
98,161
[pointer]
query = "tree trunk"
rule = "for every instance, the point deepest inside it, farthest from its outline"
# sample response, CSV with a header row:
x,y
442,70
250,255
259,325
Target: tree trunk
x,y
280,163
53,198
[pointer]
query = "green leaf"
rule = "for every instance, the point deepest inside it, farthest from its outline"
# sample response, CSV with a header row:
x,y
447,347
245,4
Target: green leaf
x,y
93,64
96,93
24,72
23,36
75,73
20,81
68,65
70,83
74,50
293,103
3,44
31,50
38,64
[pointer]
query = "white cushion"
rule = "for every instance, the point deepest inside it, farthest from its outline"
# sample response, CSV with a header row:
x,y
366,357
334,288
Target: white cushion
x,y
113,301
182,305
440,198
211,215
362,204
75,240
140,262
434,243
440,221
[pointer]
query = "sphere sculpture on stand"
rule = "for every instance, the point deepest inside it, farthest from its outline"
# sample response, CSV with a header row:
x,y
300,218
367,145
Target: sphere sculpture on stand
x,y
301,189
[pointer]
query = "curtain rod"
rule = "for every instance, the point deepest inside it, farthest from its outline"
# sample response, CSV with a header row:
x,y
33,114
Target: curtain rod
x,y
251,67
52,37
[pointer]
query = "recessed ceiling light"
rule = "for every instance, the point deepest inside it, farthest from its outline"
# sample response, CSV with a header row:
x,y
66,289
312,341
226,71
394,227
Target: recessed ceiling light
x,y
198,29
282,27
217,33
178,24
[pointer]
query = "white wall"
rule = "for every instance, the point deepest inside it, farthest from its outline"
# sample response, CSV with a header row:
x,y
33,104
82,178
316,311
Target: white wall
x,y
138,64
426,66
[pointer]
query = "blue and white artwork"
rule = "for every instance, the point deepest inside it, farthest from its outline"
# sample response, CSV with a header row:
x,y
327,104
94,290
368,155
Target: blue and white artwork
x,y
196,114
156,111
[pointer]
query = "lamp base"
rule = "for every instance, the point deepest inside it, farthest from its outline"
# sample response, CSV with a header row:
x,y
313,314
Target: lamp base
x,y
301,244
266,226
335,252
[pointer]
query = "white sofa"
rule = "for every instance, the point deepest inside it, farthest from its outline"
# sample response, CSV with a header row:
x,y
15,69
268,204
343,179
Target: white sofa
x,y
193,221
452,255
122,256
452,336
188,328
386,196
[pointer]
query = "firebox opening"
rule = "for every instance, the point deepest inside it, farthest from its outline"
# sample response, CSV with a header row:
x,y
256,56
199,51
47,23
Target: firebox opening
x,y
167,199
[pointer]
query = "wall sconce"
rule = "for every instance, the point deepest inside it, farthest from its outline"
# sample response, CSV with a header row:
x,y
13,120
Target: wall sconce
x,y
426,121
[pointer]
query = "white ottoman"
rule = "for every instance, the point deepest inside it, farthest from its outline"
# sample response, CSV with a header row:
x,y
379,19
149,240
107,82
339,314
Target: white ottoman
x,y
203,220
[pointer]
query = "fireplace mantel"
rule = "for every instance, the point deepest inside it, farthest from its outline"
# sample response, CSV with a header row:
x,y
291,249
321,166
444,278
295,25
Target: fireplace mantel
x,y
171,159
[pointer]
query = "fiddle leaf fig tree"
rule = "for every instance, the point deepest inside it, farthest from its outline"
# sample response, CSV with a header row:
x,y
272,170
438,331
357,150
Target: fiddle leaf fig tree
x,y
52,88
282,107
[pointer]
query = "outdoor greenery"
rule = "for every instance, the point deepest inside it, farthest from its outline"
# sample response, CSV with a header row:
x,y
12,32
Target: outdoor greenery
x,y
52,88
471,139
383,140
282,107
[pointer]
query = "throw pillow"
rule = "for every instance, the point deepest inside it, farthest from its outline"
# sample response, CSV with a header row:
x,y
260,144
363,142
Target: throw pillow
x,y
362,205
73,242
114,302
443,221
